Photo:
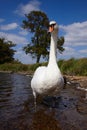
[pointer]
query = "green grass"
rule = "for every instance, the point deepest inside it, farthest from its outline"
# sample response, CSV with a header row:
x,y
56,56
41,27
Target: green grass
x,y
18,67
13,67
68,67
74,66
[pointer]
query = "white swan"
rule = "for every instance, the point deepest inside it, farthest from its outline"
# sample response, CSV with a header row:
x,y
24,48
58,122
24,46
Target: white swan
x,y
48,80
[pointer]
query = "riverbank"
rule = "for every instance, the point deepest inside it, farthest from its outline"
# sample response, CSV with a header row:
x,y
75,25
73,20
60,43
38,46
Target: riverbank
x,y
73,67
81,81
19,72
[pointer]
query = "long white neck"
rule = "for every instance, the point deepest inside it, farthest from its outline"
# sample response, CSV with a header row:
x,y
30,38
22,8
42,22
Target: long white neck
x,y
53,47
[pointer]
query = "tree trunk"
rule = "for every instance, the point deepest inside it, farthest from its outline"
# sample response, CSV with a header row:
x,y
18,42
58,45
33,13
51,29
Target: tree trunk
x,y
38,59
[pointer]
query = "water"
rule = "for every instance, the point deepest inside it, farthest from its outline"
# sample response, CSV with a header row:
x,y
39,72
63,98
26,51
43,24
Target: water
x,y
17,111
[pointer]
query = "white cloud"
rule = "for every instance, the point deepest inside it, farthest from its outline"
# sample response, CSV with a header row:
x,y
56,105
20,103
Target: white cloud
x,y
23,32
27,8
75,39
75,34
72,52
1,20
9,26
14,38
69,51
83,51
21,56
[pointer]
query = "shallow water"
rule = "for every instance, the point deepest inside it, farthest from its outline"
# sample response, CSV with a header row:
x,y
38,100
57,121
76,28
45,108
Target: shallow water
x,y
17,111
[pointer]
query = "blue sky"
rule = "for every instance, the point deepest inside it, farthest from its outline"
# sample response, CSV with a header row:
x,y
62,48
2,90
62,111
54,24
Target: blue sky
x,y
71,16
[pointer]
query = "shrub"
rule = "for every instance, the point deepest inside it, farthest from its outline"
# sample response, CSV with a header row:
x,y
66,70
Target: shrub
x,y
81,67
67,66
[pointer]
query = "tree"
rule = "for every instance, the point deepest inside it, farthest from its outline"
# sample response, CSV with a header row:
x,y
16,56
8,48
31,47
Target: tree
x,y
60,43
6,51
37,23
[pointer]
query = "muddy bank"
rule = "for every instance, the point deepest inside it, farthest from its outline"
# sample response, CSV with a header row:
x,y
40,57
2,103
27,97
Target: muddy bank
x,y
79,79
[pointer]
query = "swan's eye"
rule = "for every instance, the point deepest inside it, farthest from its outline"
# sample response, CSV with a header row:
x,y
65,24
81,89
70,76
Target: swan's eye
x,y
52,25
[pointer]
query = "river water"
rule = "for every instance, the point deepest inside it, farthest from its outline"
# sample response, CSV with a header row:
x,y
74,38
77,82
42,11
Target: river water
x,y
17,110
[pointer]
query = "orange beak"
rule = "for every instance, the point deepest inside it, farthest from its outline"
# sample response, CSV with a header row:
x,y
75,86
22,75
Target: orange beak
x,y
51,29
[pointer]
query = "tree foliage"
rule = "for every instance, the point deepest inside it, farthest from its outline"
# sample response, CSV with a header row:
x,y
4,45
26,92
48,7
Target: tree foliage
x,y
37,23
6,51
60,44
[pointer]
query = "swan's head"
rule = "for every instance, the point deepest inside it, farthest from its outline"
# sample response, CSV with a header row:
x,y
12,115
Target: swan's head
x,y
53,27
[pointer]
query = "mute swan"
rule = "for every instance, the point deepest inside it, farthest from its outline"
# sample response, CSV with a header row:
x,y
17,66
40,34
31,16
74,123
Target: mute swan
x,y
48,80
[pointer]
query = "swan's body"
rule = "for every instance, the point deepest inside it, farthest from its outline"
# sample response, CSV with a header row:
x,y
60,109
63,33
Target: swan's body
x,y
48,80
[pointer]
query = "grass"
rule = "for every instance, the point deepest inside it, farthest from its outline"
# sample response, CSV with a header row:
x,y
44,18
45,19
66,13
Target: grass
x,y
74,66
68,67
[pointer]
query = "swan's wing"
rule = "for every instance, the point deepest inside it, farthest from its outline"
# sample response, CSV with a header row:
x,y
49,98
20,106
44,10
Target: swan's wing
x,y
39,72
38,77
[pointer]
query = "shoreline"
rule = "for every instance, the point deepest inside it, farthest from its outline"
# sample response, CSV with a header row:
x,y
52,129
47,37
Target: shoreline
x,y
19,72
72,77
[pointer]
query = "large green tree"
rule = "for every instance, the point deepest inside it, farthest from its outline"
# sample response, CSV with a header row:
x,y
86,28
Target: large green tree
x,y
6,51
37,23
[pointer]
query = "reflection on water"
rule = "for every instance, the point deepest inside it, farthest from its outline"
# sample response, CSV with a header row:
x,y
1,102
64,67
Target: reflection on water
x,y
17,110
14,91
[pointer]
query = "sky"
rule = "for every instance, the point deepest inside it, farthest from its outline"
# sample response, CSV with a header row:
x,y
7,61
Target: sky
x,y
70,15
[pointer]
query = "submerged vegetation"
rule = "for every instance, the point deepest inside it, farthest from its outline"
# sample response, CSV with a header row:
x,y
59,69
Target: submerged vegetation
x,y
68,67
